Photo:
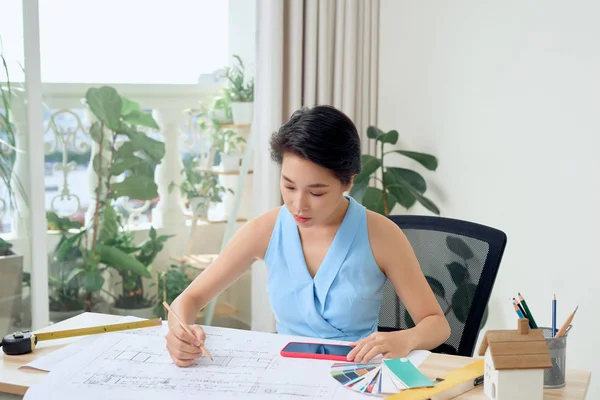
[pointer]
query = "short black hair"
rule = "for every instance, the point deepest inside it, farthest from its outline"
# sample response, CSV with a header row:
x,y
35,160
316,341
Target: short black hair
x,y
321,134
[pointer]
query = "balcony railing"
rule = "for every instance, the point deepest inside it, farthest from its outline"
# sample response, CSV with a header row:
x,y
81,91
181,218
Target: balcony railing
x,y
69,176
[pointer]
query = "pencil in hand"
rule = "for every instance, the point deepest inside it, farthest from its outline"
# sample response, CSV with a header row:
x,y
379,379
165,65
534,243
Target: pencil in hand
x,y
185,327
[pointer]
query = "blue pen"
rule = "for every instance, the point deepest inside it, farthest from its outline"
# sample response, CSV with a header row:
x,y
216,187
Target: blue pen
x,y
519,313
554,316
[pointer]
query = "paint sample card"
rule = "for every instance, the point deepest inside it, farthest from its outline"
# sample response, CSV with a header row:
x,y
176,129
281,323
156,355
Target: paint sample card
x,y
407,373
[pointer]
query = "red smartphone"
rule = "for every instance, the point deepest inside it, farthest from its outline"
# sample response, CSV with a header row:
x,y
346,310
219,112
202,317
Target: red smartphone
x,y
320,351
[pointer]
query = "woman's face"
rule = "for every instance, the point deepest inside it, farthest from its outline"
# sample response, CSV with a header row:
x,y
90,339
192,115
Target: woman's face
x,y
310,192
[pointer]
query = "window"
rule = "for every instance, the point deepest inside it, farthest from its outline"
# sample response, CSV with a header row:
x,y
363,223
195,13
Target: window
x,y
117,41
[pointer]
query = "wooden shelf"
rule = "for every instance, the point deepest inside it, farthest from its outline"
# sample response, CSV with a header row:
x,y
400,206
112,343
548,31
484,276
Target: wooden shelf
x,y
222,309
221,172
199,261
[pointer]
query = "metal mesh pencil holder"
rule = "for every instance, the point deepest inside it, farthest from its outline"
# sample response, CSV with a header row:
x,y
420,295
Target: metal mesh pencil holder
x,y
555,377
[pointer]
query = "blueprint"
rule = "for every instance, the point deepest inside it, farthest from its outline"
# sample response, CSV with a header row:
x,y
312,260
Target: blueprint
x,y
247,364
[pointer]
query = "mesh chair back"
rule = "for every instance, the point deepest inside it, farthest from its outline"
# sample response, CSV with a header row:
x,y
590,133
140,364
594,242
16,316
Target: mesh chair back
x,y
460,261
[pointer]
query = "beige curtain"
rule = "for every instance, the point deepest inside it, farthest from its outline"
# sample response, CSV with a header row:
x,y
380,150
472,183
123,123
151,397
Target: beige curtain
x,y
330,57
309,52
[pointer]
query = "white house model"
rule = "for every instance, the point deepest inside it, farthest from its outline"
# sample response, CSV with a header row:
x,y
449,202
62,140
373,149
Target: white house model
x,y
514,363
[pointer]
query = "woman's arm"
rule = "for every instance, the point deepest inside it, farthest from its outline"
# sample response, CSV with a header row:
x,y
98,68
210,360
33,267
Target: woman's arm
x,y
247,245
396,258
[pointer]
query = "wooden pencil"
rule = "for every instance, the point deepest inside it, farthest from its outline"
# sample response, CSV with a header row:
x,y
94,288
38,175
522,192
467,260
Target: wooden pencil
x,y
185,327
563,329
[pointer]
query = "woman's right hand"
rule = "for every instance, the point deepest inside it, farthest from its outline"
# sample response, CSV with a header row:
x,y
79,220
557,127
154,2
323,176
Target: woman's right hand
x,y
183,347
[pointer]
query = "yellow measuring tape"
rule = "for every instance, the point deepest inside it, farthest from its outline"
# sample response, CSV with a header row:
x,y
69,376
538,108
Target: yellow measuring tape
x,y
98,329
454,384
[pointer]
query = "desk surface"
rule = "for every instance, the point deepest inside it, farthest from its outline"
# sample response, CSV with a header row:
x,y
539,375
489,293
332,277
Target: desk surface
x,y
16,381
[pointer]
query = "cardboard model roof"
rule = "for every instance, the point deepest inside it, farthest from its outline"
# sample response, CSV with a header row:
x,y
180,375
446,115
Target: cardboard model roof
x,y
517,349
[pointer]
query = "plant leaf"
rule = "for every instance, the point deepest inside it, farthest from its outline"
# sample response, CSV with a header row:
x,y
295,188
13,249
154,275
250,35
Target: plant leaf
x,y
411,177
120,166
128,106
136,188
458,272
140,118
358,190
398,189
370,164
427,160
374,132
459,247
110,226
462,300
373,200
93,281
400,174
436,286
154,149
390,137
106,104
65,247
121,261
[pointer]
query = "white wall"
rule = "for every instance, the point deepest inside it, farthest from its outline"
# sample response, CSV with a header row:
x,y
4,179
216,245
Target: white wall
x,y
506,94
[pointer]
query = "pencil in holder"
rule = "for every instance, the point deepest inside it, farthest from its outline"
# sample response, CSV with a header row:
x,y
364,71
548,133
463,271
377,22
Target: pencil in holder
x,y
557,346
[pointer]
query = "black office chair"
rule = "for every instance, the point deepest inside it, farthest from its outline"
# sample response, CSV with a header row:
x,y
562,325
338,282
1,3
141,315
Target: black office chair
x,y
460,260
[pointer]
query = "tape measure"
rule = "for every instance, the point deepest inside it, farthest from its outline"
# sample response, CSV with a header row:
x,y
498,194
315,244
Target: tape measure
x,y
23,342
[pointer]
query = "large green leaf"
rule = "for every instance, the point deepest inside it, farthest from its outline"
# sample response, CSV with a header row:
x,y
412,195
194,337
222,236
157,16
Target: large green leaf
x,y
427,160
144,143
96,134
122,165
398,190
428,204
436,286
390,137
411,177
106,105
93,281
128,106
65,247
136,188
100,164
459,247
462,300
121,261
358,190
373,200
140,118
458,272
370,164
110,225
374,132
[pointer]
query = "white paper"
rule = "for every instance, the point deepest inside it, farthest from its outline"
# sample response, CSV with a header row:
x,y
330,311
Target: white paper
x,y
247,364
50,360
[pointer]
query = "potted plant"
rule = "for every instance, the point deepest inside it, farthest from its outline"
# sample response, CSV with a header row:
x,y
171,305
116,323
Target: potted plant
x,y
200,188
171,283
132,300
239,92
124,166
227,143
397,185
11,271
220,111
66,299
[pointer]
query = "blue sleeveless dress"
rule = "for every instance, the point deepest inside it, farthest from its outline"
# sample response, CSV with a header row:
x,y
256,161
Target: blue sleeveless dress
x,y
342,301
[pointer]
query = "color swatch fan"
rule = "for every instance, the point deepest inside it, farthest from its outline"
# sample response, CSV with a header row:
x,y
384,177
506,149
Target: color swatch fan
x,y
390,376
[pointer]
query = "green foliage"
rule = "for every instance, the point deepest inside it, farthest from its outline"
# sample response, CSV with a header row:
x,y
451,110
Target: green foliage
x,y
125,165
5,248
240,89
197,183
461,299
8,140
397,185
170,285
226,141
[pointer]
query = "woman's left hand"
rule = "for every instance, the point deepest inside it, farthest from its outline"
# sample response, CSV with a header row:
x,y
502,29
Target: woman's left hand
x,y
389,344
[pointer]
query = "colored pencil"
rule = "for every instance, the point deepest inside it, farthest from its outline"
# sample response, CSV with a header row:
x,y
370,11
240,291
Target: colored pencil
x,y
519,313
523,312
563,329
184,326
554,316
529,314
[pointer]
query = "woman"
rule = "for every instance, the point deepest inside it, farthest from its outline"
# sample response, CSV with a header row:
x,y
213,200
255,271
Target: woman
x,y
327,256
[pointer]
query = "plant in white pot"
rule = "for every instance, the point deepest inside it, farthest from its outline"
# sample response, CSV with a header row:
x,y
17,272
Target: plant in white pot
x,y
227,144
199,188
240,93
